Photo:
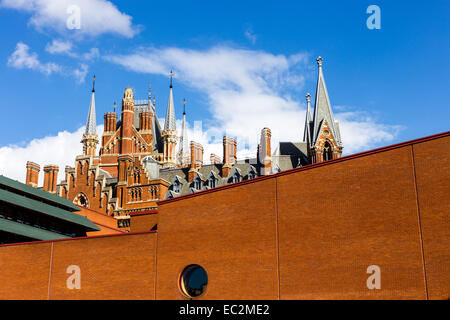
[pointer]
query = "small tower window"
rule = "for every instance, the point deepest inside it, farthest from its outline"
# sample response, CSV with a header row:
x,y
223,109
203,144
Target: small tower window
x,y
327,152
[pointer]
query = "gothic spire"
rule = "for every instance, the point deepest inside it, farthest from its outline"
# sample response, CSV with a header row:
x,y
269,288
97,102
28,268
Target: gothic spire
x,y
322,108
90,123
170,113
184,142
308,120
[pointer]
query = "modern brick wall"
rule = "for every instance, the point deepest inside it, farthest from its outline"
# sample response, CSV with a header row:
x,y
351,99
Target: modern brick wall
x,y
308,233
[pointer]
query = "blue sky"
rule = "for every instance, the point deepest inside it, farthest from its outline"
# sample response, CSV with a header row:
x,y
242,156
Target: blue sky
x,y
241,65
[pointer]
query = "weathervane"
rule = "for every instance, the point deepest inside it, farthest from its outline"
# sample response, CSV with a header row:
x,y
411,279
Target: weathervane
x,y
114,106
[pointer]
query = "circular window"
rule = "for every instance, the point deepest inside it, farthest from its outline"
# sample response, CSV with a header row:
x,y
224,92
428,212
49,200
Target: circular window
x,y
193,280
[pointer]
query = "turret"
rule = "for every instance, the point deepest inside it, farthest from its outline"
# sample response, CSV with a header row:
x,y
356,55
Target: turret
x,y
126,129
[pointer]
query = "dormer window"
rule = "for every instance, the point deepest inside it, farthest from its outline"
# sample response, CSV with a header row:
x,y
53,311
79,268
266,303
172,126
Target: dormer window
x,y
251,175
176,187
197,183
212,181
236,177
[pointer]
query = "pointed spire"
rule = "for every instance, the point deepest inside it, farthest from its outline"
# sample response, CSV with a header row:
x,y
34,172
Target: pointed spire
x,y
184,150
90,123
170,113
322,107
308,119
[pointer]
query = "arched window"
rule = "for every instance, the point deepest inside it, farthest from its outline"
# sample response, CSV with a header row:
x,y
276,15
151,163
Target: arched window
x,y
327,151
251,175
82,200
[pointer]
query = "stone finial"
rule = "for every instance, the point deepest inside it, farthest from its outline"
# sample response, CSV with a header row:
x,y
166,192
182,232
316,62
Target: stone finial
x,y
319,61
308,98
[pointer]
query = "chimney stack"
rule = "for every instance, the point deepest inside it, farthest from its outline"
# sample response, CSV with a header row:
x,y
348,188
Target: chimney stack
x,y
145,126
215,159
50,178
264,152
32,174
196,160
229,155
110,121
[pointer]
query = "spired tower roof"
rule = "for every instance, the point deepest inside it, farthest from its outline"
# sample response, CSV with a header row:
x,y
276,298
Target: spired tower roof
x,y
90,123
308,121
322,109
170,113
184,151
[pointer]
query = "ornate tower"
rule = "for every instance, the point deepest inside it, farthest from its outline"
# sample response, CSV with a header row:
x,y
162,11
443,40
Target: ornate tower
x,y
126,129
90,137
169,133
183,151
322,133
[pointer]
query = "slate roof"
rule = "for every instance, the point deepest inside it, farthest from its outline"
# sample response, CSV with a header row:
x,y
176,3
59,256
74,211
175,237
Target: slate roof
x,y
181,174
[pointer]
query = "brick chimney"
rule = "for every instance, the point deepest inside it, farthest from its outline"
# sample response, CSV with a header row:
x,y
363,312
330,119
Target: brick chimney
x,y
50,178
229,155
264,152
32,174
215,159
145,126
196,160
110,127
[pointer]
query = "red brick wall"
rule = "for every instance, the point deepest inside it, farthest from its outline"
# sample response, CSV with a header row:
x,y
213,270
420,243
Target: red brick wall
x,y
110,269
433,185
25,271
304,234
336,220
230,233
143,222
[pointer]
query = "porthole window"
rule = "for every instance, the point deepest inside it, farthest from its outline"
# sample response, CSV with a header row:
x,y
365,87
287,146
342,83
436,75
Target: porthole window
x,y
193,281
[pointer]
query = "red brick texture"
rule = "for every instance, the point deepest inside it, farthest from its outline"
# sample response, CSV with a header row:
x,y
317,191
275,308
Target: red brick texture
x,y
308,233
432,168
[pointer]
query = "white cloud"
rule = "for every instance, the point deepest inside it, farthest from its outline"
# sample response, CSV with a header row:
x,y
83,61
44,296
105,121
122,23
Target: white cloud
x,y
360,131
59,47
96,16
60,150
248,90
93,53
80,74
22,58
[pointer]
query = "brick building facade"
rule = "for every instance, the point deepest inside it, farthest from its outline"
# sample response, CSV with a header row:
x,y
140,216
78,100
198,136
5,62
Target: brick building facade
x,y
140,163
270,237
